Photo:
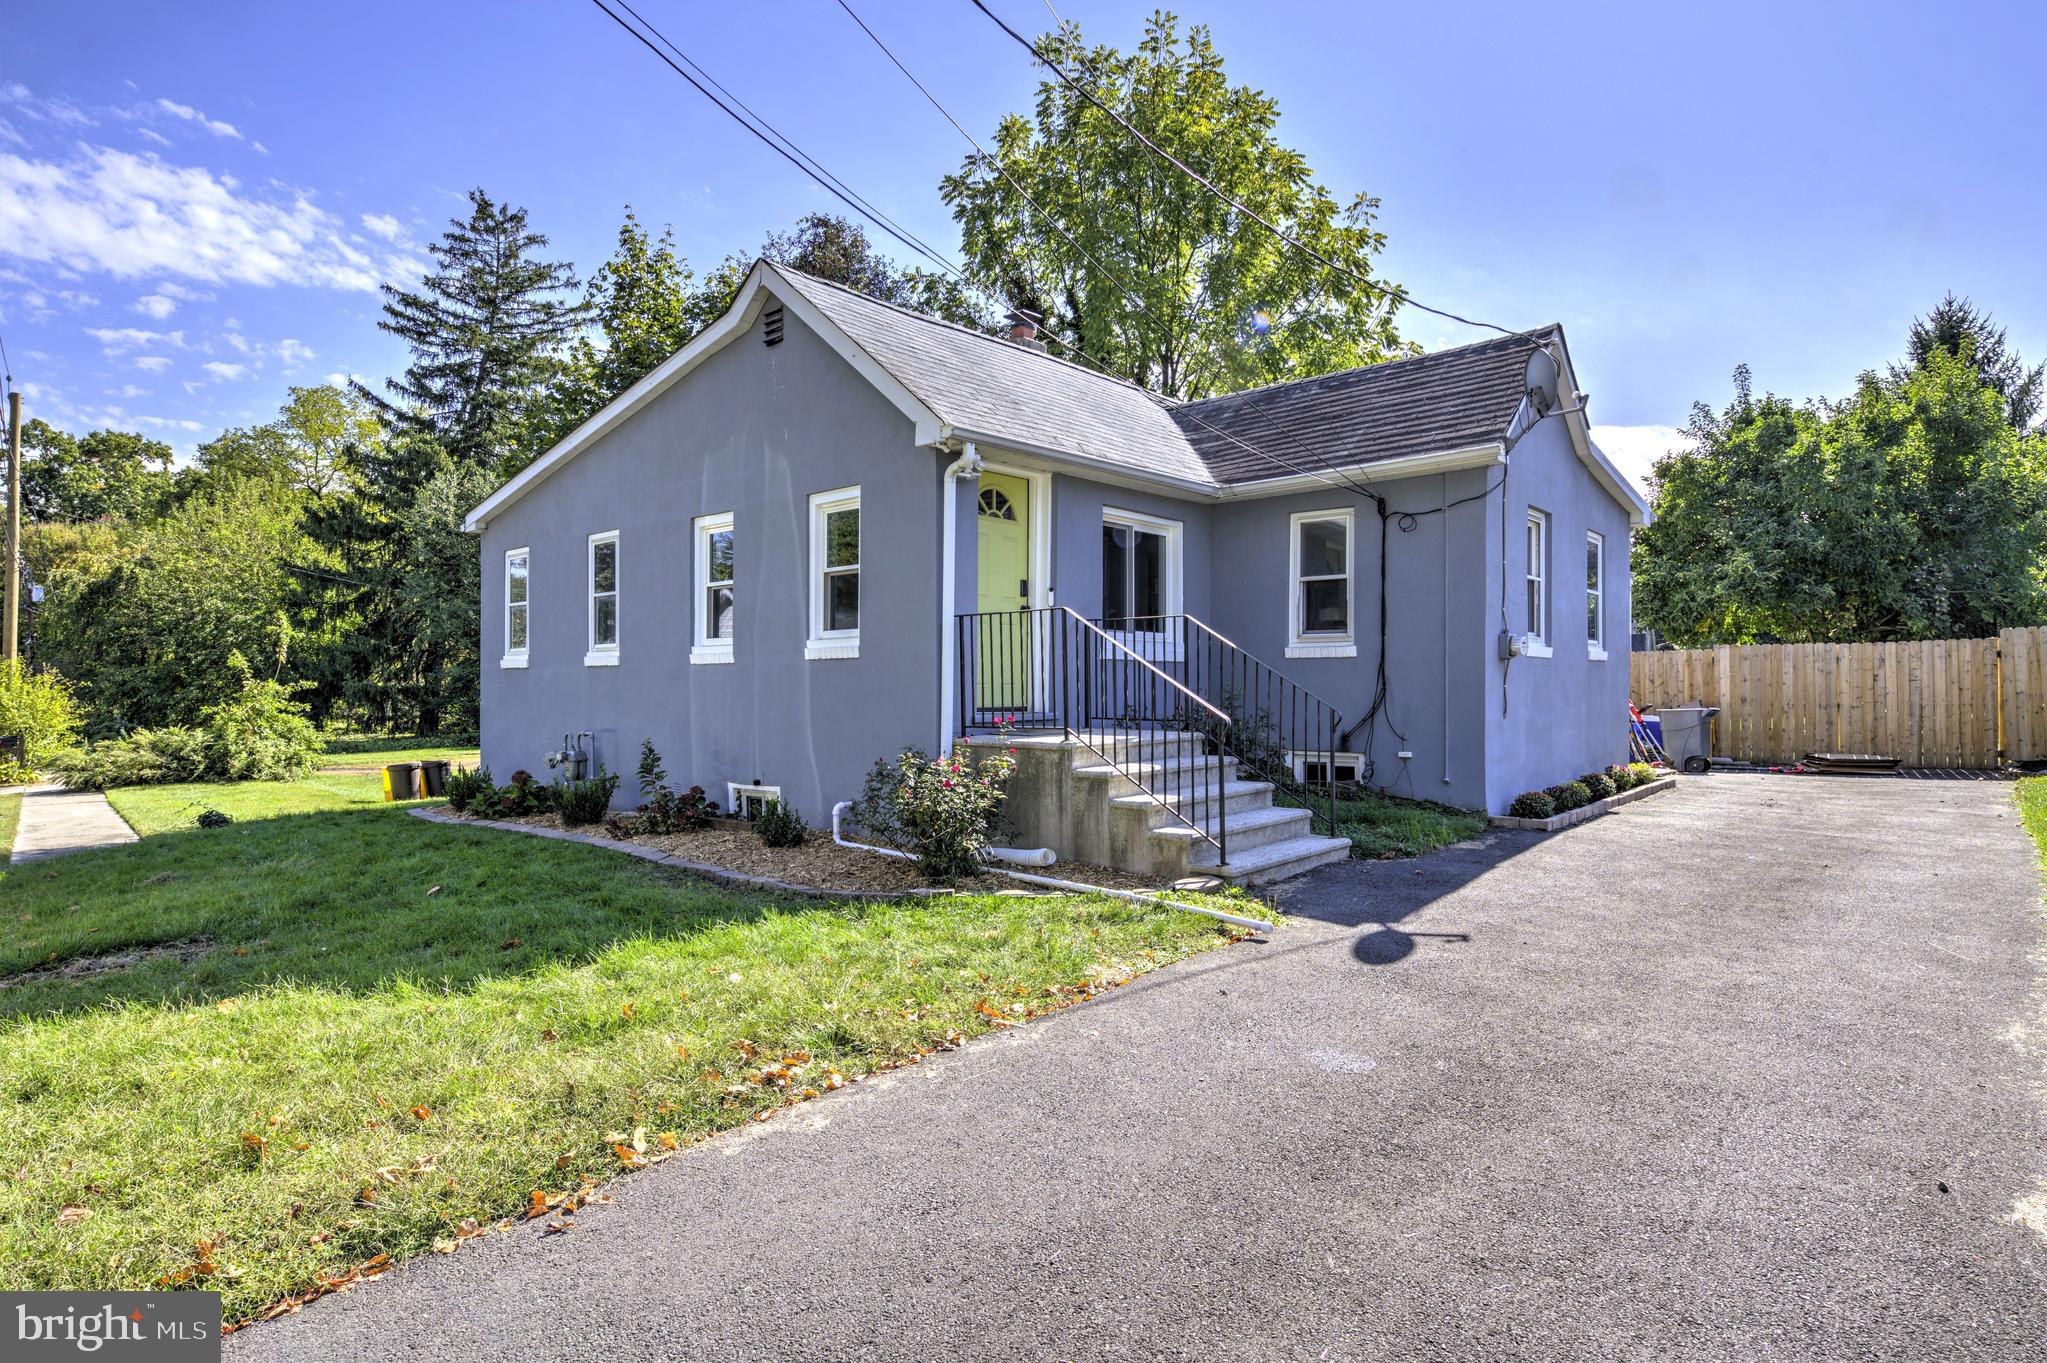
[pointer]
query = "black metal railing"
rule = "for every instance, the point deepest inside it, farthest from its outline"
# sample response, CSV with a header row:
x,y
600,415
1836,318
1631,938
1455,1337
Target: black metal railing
x,y
1279,730
1053,668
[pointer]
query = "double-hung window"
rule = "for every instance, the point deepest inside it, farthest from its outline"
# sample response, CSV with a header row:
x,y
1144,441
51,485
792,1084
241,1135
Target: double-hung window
x,y
603,601
1595,592
714,575
1536,583
1141,579
834,574
518,609
1320,612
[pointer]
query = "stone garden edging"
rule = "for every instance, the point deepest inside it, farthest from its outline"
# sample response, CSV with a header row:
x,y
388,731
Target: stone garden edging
x,y
1584,812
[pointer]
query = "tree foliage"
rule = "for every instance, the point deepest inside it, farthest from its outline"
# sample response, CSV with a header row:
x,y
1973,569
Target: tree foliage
x,y
1959,328
98,476
1066,212
1914,509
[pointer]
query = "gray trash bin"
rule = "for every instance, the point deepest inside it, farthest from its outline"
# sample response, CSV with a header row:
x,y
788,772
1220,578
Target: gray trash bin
x,y
1687,735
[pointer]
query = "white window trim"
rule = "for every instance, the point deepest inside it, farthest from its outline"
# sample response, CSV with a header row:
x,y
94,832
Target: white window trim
x,y
1150,645
1536,570
1595,648
602,655
1323,644
832,643
735,789
1347,765
518,657
703,648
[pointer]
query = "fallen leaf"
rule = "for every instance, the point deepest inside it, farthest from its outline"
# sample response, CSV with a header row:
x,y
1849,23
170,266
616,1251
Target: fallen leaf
x,y
536,1203
682,1053
640,1139
421,1113
562,1161
628,1156
744,1047
626,1012
446,1246
549,1035
509,944
225,1005
435,890
71,1214
666,1140
555,1228
254,1141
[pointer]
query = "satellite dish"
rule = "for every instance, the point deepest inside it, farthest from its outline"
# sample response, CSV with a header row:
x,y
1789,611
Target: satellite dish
x,y
1540,379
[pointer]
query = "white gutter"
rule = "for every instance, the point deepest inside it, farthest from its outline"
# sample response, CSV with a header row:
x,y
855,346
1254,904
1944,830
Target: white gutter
x,y
1076,886
948,555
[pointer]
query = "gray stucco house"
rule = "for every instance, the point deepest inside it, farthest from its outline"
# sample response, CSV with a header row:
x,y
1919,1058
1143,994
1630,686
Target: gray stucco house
x,y
829,528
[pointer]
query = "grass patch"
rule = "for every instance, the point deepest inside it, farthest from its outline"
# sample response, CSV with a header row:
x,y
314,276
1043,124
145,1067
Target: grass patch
x,y
2031,794
400,1025
1380,826
150,810
362,749
10,819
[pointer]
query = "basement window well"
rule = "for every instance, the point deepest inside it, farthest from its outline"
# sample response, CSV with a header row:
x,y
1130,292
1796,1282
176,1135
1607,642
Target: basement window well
x,y
749,802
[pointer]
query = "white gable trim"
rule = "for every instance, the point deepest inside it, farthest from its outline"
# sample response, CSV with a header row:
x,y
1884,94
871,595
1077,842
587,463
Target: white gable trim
x,y
1602,469
737,321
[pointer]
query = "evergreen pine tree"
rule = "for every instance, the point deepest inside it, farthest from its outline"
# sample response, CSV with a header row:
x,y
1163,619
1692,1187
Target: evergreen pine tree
x,y
486,329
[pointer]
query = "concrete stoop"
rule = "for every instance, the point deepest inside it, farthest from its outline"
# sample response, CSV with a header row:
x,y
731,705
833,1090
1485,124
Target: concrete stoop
x,y
1075,794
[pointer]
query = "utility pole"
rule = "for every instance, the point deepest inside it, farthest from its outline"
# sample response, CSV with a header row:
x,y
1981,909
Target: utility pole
x,y
10,632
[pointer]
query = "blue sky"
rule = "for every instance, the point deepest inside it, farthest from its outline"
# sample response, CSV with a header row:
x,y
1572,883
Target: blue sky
x,y
196,203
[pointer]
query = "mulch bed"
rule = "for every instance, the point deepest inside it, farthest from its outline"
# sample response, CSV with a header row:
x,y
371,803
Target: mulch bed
x,y
821,863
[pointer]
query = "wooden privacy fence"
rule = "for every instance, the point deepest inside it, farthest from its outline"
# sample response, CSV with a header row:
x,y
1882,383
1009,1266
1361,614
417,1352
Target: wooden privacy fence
x,y
1931,703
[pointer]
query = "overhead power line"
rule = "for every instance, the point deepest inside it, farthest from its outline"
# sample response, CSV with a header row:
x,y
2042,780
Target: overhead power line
x,y
1372,285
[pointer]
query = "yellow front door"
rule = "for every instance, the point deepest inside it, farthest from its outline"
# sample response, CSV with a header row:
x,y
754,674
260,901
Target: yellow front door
x,y
1003,652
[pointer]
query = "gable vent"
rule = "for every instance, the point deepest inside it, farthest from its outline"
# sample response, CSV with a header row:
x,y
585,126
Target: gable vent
x,y
771,327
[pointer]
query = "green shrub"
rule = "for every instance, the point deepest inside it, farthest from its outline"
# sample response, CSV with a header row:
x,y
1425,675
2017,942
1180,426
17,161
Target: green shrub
x,y
1569,796
779,825
526,795
40,708
1532,804
261,734
1598,782
1642,772
144,757
463,785
1622,778
587,800
941,811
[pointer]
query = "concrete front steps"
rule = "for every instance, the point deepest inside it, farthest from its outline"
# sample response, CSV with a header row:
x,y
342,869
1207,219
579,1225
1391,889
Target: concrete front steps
x,y
1080,795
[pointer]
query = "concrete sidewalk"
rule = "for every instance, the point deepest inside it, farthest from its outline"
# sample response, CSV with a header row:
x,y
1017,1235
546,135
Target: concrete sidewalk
x,y
55,821
1745,1071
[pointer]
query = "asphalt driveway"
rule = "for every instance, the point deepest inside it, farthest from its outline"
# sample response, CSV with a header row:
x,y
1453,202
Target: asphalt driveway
x,y
1747,1071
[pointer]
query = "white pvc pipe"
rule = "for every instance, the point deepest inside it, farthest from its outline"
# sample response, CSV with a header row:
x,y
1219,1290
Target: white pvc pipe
x,y
948,552
1079,886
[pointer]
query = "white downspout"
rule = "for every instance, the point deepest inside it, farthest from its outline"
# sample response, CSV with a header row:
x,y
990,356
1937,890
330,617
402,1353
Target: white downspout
x,y
948,554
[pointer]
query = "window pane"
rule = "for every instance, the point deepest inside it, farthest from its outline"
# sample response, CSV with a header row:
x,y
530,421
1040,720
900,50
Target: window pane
x,y
1115,574
607,620
1322,549
604,567
842,538
515,579
721,556
515,627
842,601
1147,578
1592,617
1592,564
1534,606
718,614
1534,547
1325,607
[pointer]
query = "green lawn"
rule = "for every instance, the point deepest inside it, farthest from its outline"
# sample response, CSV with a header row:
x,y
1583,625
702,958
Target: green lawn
x,y
362,749
166,809
1388,826
397,1025
2031,794
10,817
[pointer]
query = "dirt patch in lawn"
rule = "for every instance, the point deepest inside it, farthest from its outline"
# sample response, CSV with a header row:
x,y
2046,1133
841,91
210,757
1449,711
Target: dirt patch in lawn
x,y
78,967
824,864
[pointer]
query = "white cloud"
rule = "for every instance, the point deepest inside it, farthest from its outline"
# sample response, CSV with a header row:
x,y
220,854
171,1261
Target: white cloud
x,y
1635,449
224,371
154,136
130,390
152,364
341,380
293,353
383,224
115,340
156,305
165,423
128,215
192,115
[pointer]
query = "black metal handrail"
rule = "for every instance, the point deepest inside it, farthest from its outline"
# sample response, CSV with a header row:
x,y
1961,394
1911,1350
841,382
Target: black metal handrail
x,y
1053,668
1280,731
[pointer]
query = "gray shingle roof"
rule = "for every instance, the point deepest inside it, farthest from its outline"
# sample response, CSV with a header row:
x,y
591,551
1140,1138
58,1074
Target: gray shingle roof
x,y
999,390
1447,400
